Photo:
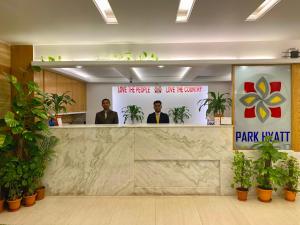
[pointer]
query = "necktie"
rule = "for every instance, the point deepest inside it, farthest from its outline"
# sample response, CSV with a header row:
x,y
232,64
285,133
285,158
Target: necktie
x,y
157,117
105,115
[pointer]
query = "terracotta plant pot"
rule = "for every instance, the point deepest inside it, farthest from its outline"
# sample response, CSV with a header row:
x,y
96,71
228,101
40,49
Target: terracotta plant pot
x,y
40,193
14,205
290,195
1,205
29,200
242,194
264,195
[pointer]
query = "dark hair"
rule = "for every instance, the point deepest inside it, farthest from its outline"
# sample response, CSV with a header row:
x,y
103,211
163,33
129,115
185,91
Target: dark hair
x,y
157,101
105,99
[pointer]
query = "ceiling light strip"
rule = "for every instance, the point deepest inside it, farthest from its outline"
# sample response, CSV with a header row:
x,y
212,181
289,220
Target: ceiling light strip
x,y
184,10
266,6
106,11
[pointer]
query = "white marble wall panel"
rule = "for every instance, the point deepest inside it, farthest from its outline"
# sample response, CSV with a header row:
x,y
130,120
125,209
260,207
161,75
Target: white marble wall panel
x,y
195,176
185,143
92,161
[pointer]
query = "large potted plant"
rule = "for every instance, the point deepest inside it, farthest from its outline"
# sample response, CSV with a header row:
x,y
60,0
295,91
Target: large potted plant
x,y
134,113
23,127
291,179
179,114
268,175
217,104
243,171
58,104
2,199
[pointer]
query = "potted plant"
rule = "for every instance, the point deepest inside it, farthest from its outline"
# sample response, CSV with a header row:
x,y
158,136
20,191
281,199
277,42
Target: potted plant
x,y
133,112
268,175
11,176
2,200
57,104
178,114
217,104
20,134
29,178
243,171
291,179
44,156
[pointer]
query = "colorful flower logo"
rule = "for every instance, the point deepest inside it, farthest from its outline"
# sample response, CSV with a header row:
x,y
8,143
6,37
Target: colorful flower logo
x,y
262,99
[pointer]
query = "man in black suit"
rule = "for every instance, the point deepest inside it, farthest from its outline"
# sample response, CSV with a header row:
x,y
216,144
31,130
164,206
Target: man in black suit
x,y
106,116
158,116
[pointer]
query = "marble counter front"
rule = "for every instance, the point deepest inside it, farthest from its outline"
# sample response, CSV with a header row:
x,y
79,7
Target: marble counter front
x,y
141,160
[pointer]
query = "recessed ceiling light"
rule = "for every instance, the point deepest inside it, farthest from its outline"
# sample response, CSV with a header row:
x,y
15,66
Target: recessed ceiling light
x,y
184,10
161,66
78,67
75,72
106,11
266,6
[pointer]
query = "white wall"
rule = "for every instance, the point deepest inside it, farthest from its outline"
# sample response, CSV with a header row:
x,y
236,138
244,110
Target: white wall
x,y
96,92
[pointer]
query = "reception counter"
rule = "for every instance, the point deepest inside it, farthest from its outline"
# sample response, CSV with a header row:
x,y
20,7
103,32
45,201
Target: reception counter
x,y
141,160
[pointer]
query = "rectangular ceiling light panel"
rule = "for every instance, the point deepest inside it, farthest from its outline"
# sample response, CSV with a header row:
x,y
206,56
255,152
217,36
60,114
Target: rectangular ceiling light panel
x,y
184,10
106,11
266,6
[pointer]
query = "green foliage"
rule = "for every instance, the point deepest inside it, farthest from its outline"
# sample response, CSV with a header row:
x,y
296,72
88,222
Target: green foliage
x,y
217,103
27,119
57,103
144,56
243,171
134,112
11,177
23,136
268,175
291,173
178,114
51,58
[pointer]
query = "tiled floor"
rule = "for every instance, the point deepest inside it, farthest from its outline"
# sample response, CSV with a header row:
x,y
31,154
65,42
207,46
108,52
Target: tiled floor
x,y
155,210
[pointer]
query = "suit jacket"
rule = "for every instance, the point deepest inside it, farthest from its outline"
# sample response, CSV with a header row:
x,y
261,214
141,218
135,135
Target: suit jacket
x,y
164,118
112,117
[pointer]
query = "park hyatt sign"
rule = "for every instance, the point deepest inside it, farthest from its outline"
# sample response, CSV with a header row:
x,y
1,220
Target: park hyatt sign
x,y
262,105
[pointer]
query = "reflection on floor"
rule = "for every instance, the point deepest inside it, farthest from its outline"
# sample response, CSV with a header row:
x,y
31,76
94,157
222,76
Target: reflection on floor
x,y
155,210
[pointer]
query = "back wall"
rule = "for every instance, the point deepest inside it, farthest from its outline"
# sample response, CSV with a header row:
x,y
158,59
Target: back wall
x,y
96,92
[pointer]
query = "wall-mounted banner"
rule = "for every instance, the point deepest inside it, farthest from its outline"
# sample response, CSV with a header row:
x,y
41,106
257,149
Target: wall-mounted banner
x,y
171,96
262,105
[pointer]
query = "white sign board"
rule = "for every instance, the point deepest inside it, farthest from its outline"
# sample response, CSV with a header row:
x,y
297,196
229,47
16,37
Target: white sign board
x,y
170,96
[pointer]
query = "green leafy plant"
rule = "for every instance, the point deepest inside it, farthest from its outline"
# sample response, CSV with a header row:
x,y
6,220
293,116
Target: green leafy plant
x,y
178,114
51,58
243,171
27,120
268,175
292,174
133,112
11,178
217,103
57,103
129,56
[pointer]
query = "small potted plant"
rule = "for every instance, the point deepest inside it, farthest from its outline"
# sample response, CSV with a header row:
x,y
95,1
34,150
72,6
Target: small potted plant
x,y
268,175
29,177
243,171
217,104
57,104
134,113
178,114
12,180
291,178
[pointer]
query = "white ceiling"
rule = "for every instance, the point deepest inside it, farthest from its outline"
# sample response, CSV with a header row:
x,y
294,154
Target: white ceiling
x,y
147,73
144,21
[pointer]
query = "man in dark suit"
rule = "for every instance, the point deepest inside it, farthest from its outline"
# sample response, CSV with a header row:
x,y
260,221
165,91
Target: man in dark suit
x,y
106,116
158,116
